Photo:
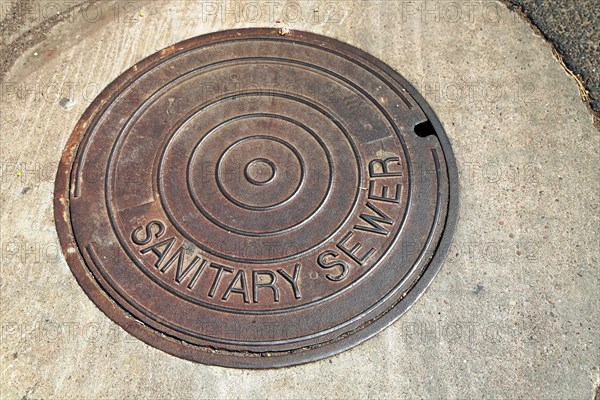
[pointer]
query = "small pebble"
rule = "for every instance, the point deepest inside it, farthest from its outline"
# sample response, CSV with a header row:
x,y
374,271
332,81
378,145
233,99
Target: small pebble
x,y
66,103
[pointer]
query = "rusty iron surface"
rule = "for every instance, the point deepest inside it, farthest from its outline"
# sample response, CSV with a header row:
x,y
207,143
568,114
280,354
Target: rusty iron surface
x,y
256,198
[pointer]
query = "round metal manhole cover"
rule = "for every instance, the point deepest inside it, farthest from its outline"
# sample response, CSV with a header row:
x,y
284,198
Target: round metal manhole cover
x,y
256,198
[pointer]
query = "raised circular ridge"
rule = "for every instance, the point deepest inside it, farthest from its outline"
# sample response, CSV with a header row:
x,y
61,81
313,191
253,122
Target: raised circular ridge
x,y
260,171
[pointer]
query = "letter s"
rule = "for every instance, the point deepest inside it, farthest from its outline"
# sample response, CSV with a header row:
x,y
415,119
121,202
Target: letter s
x,y
333,263
148,238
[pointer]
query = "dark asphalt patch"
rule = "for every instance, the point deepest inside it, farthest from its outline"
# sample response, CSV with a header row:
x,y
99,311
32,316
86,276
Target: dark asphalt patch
x,y
573,28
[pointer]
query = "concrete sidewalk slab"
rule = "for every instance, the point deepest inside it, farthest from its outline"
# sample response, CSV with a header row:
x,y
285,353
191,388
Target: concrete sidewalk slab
x,y
514,310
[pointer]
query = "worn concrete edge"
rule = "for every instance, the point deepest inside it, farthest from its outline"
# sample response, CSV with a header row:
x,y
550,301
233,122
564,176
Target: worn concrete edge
x,y
567,65
32,37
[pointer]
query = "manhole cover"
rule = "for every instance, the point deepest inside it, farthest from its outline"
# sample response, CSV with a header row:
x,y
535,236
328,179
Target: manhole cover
x,y
256,199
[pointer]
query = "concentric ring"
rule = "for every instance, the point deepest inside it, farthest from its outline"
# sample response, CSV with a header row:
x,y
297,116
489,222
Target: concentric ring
x,y
302,167
352,188
270,164
219,173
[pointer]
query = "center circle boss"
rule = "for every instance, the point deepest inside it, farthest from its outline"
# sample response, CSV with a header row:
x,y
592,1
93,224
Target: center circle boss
x,y
256,198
